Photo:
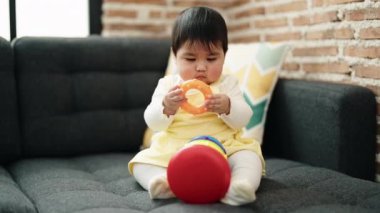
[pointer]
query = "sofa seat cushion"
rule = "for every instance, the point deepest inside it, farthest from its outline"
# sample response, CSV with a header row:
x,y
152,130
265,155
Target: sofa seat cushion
x,y
101,183
293,186
12,199
80,184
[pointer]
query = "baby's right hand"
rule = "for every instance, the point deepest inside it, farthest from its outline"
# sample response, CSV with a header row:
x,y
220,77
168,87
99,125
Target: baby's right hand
x,y
173,100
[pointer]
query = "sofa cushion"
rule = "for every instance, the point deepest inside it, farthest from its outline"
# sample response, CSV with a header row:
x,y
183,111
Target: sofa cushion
x,y
97,183
85,183
9,125
12,199
86,95
257,66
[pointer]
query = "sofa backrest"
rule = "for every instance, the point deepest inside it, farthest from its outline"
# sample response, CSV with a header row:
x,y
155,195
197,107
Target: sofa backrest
x,y
323,124
85,95
9,124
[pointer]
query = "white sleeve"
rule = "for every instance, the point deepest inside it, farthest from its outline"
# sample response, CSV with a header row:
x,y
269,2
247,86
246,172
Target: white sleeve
x,y
154,115
240,111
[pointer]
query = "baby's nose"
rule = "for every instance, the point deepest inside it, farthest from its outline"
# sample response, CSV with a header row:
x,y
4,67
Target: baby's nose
x,y
201,67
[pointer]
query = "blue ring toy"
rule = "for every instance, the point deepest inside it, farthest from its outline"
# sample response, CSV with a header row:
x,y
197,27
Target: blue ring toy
x,y
209,138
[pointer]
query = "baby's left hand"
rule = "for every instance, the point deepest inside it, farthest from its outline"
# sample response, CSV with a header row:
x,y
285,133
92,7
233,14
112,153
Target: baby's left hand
x,y
219,103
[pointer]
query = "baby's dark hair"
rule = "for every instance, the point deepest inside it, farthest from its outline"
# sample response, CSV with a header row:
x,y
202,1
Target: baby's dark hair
x,y
199,24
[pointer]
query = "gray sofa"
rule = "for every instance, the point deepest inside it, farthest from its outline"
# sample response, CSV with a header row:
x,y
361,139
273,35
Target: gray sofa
x,y
71,117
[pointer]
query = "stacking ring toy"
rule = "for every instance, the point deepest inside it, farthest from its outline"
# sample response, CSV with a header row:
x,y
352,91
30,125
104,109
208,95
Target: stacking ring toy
x,y
199,173
209,141
198,85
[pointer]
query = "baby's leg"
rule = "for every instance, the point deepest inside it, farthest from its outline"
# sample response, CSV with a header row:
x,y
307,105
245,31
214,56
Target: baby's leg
x,y
153,179
246,170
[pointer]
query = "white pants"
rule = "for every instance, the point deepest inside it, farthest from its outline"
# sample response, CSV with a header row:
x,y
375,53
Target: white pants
x,y
245,166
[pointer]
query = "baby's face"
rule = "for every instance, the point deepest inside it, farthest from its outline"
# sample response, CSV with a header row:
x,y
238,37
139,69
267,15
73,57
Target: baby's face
x,y
197,61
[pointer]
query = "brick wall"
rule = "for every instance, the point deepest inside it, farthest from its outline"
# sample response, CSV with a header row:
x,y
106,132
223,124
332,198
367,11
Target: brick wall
x,y
332,40
150,18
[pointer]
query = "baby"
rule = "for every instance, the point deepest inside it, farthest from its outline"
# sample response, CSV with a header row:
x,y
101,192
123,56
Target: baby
x,y
199,43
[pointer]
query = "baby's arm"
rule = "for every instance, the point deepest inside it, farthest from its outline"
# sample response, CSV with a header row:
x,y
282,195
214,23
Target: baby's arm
x,y
154,114
239,111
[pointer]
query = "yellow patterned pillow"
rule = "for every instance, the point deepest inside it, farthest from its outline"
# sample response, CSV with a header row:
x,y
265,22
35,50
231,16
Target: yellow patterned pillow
x,y
256,65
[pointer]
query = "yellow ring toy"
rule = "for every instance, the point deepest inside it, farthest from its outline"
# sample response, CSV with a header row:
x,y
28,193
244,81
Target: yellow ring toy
x,y
198,85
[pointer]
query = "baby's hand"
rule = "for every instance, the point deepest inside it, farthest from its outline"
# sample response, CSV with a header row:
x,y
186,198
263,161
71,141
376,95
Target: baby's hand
x,y
173,100
219,103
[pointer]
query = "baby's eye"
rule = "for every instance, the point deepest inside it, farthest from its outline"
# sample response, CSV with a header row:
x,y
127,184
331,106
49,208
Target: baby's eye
x,y
190,59
211,59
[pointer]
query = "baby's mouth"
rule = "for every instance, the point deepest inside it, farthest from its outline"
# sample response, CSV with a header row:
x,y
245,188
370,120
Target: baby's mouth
x,y
202,78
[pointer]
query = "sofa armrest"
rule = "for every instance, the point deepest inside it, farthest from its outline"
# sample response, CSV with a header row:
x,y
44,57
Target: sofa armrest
x,y
9,126
323,124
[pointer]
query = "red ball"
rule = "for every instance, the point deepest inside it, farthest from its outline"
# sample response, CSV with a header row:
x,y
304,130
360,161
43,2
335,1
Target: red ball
x,y
199,174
